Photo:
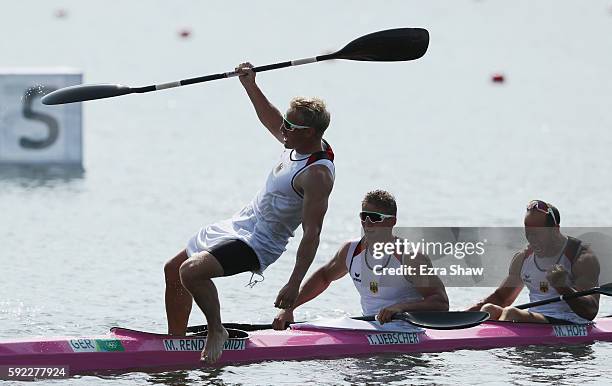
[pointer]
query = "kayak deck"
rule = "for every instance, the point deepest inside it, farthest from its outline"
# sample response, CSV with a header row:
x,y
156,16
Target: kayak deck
x,y
124,349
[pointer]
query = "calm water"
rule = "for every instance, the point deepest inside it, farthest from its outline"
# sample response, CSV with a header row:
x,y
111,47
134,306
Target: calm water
x,y
83,252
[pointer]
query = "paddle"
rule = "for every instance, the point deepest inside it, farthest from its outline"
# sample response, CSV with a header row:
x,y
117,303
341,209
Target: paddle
x,y
605,289
393,45
236,326
440,320
437,320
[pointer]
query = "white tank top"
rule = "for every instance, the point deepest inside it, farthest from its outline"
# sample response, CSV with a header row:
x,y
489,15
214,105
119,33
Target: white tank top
x,y
533,274
269,220
377,291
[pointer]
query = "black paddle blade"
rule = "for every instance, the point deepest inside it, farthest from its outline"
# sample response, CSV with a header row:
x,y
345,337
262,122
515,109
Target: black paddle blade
x,y
605,289
85,92
393,45
444,320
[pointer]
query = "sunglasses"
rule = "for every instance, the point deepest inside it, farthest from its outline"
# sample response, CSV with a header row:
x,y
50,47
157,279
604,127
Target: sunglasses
x,y
374,217
543,207
291,126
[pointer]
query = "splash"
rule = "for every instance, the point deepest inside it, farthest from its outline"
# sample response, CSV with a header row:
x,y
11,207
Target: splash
x,y
31,92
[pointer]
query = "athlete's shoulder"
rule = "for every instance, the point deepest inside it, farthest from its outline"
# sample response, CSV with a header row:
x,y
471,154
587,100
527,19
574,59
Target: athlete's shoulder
x,y
586,255
318,177
345,247
518,259
355,245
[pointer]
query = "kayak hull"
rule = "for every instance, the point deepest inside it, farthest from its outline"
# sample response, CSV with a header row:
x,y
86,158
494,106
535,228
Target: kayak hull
x,y
124,349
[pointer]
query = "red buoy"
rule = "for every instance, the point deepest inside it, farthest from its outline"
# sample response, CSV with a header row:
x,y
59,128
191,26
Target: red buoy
x,y
61,13
498,78
185,33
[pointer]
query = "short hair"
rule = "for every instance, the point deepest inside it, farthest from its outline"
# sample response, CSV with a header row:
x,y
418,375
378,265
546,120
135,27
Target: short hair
x,y
550,221
312,112
382,199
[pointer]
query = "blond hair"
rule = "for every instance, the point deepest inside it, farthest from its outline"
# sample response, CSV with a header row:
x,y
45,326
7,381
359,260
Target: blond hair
x,y
311,111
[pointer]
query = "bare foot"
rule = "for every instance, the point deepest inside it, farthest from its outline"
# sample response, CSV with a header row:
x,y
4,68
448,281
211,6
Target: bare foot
x,y
214,346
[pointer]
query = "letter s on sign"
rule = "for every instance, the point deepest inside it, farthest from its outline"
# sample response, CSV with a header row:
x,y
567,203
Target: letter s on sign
x,y
48,120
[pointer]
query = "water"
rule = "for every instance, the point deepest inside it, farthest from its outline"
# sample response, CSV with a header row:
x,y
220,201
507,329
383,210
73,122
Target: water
x,y
82,252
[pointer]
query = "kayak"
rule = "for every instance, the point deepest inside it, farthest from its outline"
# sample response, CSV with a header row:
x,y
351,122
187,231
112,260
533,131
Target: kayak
x,y
123,349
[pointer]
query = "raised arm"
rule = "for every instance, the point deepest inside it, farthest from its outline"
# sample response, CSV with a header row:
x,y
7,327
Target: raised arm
x,y
510,287
315,183
269,115
314,286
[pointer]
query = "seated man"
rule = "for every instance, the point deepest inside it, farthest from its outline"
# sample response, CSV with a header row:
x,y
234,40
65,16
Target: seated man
x,y
381,295
551,265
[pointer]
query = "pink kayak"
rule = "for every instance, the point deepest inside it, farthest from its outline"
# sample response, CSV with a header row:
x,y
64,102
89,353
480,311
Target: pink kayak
x,y
124,349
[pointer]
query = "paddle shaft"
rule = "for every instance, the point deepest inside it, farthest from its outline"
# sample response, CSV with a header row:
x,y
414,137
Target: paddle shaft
x,y
605,289
257,327
224,75
439,320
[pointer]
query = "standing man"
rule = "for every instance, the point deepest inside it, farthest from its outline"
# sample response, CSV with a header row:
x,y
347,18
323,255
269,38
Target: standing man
x,y
380,295
551,265
296,192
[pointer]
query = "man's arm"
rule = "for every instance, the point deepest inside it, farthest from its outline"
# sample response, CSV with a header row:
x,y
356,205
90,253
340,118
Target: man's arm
x,y
316,183
510,287
431,289
269,115
315,285
585,271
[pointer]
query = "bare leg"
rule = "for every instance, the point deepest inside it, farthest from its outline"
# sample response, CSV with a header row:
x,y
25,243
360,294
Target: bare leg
x,y
494,311
196,273
516,315
178,299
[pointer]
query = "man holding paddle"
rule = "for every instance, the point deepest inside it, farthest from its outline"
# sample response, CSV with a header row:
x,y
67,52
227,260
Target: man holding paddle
x,y
551,265
296,192
381,295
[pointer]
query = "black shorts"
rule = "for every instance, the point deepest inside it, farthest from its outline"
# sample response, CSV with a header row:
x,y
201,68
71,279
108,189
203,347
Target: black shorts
x,y
235,256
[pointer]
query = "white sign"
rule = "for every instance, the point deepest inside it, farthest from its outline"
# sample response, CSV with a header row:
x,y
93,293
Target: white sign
x,y
566,330
32,133
197,344
83,345
393,338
